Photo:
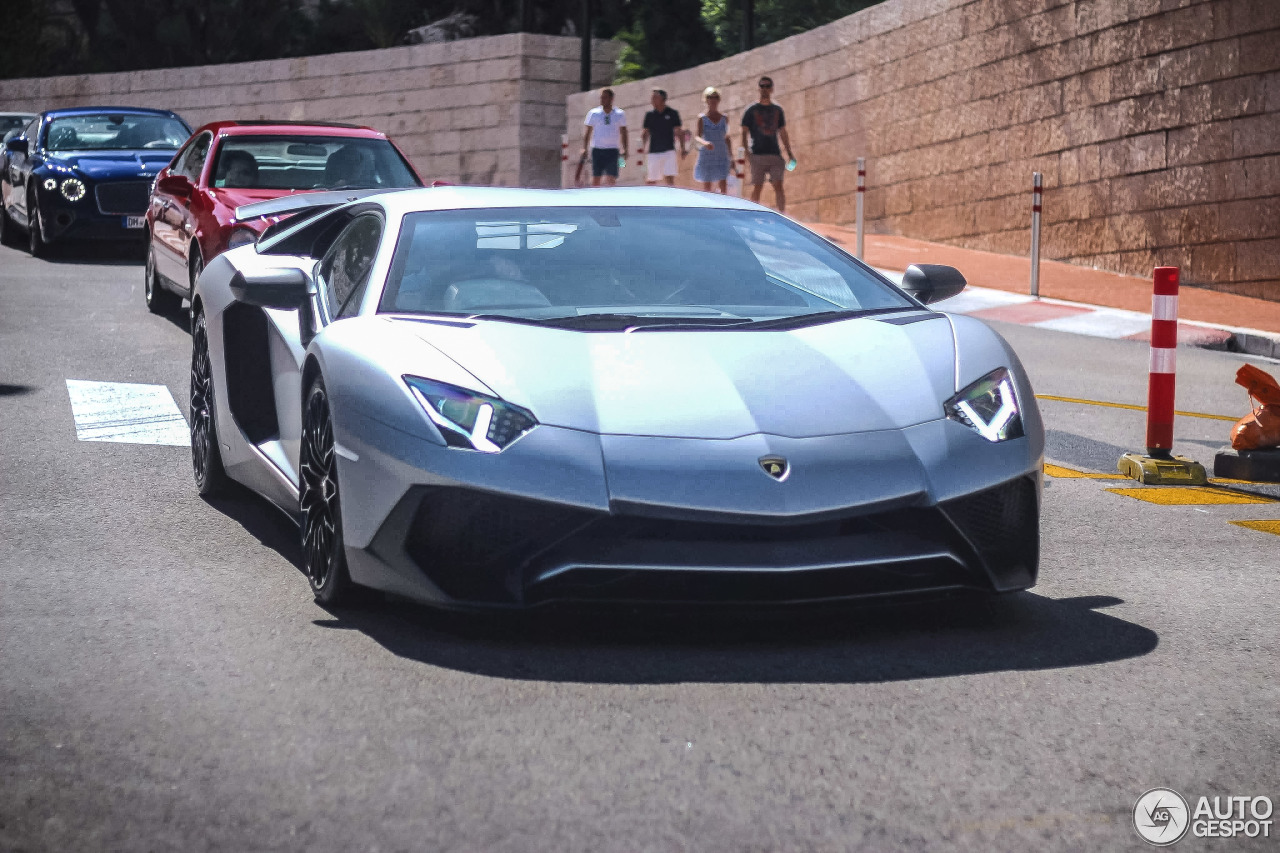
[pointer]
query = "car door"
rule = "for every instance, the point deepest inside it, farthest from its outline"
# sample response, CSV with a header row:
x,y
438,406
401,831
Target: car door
x,y
20,171
341,278
174,224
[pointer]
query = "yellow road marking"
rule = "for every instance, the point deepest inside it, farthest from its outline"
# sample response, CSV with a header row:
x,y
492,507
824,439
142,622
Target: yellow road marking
x,y
1264,526
1185,496
1216,480
1072,474
1132,407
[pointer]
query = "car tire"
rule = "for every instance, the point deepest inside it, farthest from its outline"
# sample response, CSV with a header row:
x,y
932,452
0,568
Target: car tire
x,y
159,299
195,265
8,230
36,245
206,454
319,500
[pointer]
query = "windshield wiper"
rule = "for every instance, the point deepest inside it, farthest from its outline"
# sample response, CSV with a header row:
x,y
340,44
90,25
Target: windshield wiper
x,y
797,321
617,322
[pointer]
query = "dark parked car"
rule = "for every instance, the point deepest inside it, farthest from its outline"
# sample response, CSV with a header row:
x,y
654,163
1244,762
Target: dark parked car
x,y
85,173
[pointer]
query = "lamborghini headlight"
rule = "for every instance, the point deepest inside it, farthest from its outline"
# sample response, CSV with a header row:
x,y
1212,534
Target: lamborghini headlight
x,y
73,189
988,407
468,419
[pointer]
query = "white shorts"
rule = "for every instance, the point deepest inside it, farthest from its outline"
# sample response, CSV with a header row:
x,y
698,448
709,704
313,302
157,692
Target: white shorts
x,y
662,164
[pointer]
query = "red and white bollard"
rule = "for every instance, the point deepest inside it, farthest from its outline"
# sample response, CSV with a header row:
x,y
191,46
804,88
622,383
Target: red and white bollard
x,y
1164,352
862,191
640,156
1159,466
740,167
564,148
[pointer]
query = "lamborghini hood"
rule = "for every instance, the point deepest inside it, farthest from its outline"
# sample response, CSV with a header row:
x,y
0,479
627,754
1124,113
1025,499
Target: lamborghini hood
x,y
856,375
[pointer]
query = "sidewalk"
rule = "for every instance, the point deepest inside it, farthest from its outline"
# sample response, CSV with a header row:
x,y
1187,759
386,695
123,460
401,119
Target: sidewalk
x,y
1077,299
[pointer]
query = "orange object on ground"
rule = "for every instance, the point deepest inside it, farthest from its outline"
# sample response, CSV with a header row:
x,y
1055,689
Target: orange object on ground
x,y
1260,429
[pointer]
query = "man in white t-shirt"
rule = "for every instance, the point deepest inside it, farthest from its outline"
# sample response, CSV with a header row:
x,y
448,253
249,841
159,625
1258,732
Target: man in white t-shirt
x,y
606,138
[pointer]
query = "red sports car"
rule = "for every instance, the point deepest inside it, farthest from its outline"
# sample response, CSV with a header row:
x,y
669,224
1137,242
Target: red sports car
x,y
226,164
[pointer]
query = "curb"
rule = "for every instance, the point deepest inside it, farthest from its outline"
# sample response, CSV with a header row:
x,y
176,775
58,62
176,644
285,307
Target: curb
x,y
1100,321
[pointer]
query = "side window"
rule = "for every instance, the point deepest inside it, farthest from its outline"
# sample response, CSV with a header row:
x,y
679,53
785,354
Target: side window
x,y
29,132
344,270
191,160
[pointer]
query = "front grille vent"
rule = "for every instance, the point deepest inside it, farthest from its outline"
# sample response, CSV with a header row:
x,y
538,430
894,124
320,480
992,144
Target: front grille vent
x,y
127,198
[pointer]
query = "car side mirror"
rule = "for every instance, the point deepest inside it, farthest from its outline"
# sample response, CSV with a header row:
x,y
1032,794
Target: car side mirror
x,y
278,288
16,144
931,283
174,185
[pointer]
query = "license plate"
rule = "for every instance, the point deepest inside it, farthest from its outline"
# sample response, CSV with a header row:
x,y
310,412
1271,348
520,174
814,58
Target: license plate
x,y
135,222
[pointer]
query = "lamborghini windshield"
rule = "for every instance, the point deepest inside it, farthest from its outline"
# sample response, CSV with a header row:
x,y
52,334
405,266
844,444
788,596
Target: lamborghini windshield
x,y
603,267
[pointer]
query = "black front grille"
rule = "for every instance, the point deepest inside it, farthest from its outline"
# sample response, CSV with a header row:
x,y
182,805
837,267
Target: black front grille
x,y
479,547
1003,524
127,198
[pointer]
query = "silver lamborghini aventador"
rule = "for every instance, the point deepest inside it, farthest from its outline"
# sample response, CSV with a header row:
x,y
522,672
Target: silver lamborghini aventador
x,y
485,397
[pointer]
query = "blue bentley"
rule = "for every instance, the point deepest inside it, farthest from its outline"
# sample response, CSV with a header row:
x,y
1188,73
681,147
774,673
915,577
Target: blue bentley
x,y
85,173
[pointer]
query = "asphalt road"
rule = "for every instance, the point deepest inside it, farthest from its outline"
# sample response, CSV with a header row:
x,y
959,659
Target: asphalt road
x,y
167,683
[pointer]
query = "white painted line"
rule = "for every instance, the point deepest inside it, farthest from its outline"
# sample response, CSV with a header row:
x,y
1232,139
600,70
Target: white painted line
x,y
127,412
1099,324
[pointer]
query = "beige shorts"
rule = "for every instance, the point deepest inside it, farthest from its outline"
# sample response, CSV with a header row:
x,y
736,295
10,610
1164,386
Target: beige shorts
x,y
766,166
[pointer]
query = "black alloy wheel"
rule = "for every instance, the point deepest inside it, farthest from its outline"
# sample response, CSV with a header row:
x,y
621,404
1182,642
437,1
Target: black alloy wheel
x,y
160,300
319,500
206,457
36,245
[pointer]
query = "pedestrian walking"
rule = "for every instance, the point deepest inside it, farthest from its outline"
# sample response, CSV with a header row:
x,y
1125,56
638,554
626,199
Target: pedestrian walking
x,y
763,125
661,129
712,140
606,139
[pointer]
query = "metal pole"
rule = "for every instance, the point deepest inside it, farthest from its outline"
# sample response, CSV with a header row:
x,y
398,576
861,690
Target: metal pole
x,y
748,24
585,75
862,191
1035,234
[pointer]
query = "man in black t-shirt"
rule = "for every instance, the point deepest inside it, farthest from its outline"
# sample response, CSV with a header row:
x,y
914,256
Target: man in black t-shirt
x,y
763,124
661,125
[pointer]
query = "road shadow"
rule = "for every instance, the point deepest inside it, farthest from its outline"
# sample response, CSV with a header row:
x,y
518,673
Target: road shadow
x,y
116,254
263,520
15,390
1080,451
958,636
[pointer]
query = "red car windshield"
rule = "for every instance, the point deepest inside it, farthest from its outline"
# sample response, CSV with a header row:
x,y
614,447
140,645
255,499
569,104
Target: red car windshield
x,y
310,163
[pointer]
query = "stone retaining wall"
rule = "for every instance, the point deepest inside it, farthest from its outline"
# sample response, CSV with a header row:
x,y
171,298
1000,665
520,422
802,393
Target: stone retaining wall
x,y
482,111
1156,124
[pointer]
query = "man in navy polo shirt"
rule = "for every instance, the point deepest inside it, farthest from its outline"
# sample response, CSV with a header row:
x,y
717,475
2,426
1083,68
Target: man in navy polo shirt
x,y
659,136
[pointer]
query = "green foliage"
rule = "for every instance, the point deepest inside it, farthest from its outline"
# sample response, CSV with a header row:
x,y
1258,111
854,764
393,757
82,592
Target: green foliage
x,y
775,19
44,37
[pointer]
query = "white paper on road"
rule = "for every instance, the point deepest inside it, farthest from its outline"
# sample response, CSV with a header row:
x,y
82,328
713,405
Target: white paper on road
x,y
126,412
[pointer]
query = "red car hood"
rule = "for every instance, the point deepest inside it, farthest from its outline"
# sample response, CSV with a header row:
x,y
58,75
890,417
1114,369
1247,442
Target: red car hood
x,y
234,198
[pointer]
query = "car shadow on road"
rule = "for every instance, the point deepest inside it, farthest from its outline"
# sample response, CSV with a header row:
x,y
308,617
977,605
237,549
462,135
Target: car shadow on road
x,y
269,525
959,636
121,254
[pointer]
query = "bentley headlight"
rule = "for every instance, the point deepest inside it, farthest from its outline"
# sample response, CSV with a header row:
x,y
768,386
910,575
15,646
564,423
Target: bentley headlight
x,y
73,189
468,419
988,407
51,184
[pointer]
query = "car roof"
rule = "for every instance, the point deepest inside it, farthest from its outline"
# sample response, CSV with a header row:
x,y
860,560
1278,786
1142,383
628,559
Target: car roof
x,y
289,128
12,114
74,111
458,198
